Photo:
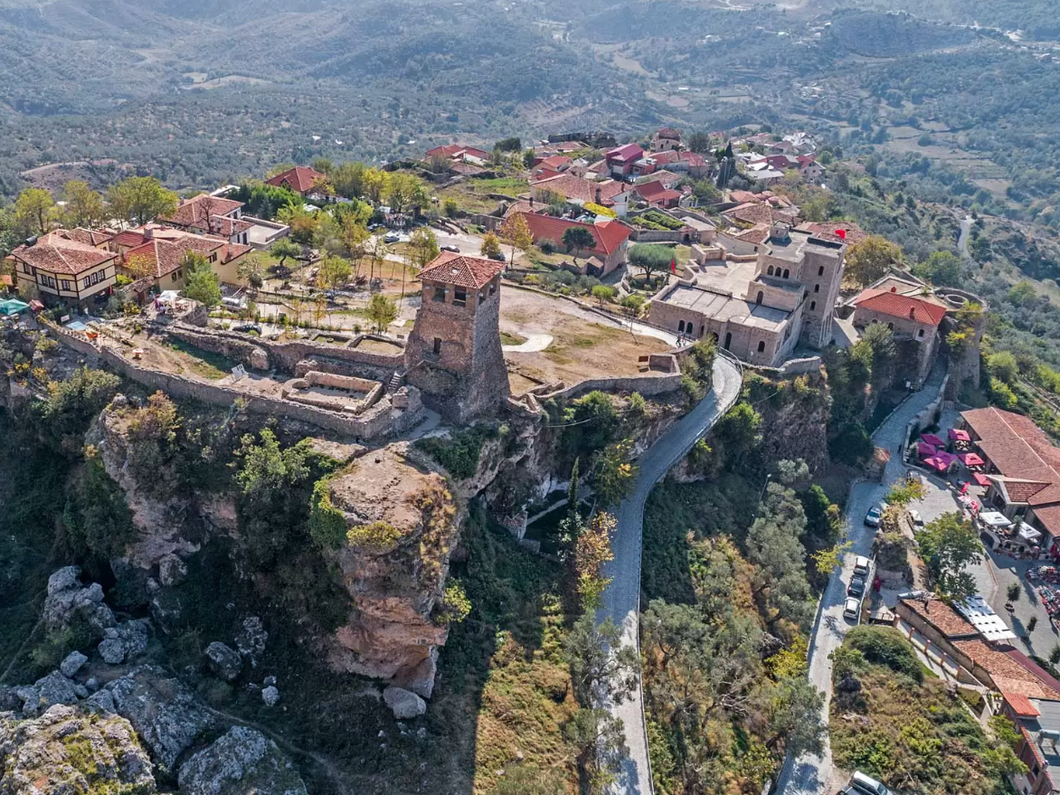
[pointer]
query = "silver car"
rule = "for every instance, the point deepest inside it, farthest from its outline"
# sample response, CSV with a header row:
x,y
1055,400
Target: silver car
x,y
874,516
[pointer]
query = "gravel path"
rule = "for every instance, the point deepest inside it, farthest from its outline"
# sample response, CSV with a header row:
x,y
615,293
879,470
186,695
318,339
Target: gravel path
x,y
534,343
622,597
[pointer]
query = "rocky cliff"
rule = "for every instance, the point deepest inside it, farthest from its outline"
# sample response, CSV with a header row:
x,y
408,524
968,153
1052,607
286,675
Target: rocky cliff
x,y
392,525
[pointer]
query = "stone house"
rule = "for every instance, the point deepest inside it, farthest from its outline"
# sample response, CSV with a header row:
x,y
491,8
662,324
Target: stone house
x,y
66,265
454,352
666,138
1038,722
909,317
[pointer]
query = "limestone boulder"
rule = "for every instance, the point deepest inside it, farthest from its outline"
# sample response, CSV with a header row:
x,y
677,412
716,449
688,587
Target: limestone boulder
x,y
68,602
71,750
72,664
223,661
164,713
404,703
241,761
399,523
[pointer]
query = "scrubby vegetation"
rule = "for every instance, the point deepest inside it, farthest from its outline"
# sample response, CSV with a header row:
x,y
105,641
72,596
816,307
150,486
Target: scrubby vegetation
x,y
891,721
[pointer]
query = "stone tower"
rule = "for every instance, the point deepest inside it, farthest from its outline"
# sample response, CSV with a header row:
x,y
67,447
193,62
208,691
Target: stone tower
x,y
454,352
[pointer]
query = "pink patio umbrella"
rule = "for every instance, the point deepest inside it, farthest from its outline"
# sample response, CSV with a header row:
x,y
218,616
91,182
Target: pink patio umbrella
x,y
982,480
937,463
959,436
924,450
932,439
971,459
947,458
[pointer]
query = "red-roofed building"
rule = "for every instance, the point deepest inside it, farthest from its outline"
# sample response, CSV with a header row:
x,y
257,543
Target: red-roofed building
x,y
211,215
909,317
163,251
620,160
610,238
666,138
556,163
658,195
576,190
299,179
60,266
1038,722
1023,466
845,231
459,154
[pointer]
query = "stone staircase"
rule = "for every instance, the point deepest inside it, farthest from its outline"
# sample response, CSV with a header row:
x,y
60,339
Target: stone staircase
x,y
397,380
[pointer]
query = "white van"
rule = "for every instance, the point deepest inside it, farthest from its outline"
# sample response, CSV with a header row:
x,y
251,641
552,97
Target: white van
x,y
868,785
861,566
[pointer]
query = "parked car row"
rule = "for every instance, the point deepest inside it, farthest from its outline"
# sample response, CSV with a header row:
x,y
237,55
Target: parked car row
x,y
857,588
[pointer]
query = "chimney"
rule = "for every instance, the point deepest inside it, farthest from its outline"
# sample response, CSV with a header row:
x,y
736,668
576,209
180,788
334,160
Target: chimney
x,y
31,241
149,233
912,313
598,194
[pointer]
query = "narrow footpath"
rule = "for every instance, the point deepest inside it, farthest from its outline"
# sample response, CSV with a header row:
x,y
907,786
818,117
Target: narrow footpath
x,y
621,601
814,774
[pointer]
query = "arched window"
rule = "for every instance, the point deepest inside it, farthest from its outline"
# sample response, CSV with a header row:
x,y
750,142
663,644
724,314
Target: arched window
x,y
758,298
817,288
770,271
813,305
762,346
787,273
920,334
820,271
728,341
681,326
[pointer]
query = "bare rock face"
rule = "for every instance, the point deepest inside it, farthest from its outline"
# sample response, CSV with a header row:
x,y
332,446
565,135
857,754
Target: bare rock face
x,y
165,714
68,601
68,750
241,761
223,661
404,703
399,523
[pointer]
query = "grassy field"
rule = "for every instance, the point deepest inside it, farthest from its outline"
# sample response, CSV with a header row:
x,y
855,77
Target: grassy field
x,y
205,364
472,195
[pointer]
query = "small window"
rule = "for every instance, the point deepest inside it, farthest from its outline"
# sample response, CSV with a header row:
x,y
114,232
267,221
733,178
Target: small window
x,y
437,345
493,287
173,277
787,273
758,298
761,346
702,330
817,288
820,271
25,268
66,284
770,271
890,326
680,327
920,334
86,281
728,341
460,296
438,294
813,305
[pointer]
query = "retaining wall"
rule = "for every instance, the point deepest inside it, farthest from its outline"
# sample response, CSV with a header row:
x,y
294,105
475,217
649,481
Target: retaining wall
x,y
645,385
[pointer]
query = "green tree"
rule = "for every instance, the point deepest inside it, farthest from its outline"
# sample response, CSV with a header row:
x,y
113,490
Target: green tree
x,y
72,403
774,546
491,246
512,144
35,212
382,311
283,249
449,207
422,247
333,271
604,293
1003,365
614,473
140,199
699,142
948,545
870,259
84,206
634,304
941,268
304,224
905,491
252,271
515,231
348,179
200,282
578,238
406,192
650,258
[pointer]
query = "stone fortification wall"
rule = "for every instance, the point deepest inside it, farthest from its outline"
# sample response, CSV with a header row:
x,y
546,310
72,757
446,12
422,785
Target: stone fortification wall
x,y
283,356
377,422
647,385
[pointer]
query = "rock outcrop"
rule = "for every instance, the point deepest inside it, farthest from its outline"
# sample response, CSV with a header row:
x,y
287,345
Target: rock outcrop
x,y
70,750
68,602
399,523
166,716
241,761
224,661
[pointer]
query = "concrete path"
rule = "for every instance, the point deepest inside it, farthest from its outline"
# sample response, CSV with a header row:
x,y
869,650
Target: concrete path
x,y
534,343
622,597
815,774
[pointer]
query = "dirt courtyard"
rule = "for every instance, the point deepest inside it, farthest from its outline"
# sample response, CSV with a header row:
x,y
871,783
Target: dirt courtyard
x,y
584,345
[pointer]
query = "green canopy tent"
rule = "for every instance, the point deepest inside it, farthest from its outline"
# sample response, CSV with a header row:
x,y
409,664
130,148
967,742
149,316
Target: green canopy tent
x,y
12,307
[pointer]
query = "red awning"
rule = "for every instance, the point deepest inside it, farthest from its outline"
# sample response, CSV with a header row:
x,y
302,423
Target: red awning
x,y
981,479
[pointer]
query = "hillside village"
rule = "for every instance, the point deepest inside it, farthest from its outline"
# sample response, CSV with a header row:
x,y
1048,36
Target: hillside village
x,y
408,421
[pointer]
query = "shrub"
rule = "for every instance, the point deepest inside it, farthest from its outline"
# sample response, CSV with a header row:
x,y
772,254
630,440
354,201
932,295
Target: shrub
x,y
459,453
885,646
327,525
377,536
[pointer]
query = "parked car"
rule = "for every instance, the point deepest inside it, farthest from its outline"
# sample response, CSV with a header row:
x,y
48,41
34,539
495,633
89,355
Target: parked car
x,y
862,566
857,586
498,257
868,785
918,520
873,517
851,609
391,237
453,249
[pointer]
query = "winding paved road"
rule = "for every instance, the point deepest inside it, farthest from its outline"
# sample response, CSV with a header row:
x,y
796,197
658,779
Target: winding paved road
x,y
622,597
811,774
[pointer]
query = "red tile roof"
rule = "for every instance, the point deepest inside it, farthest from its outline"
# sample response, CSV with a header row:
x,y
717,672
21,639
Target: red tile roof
x,y
461,270
55,252
1023,490
202,212
91,237
555,162
1009,675
666,157
1014,444
668,132
626,154
167,248
299,179
1021,705
854,233
575,188
657,193
903,306
948,622
130,237
609,236
456,151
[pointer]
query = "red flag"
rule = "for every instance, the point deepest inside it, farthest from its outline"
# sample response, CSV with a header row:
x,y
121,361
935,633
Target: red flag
x,y
673,265
842,233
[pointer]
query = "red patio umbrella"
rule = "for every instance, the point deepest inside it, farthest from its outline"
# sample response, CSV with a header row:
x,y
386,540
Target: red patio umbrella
x,y
971,459
932,439
937,463
924,450
959,436
981,479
